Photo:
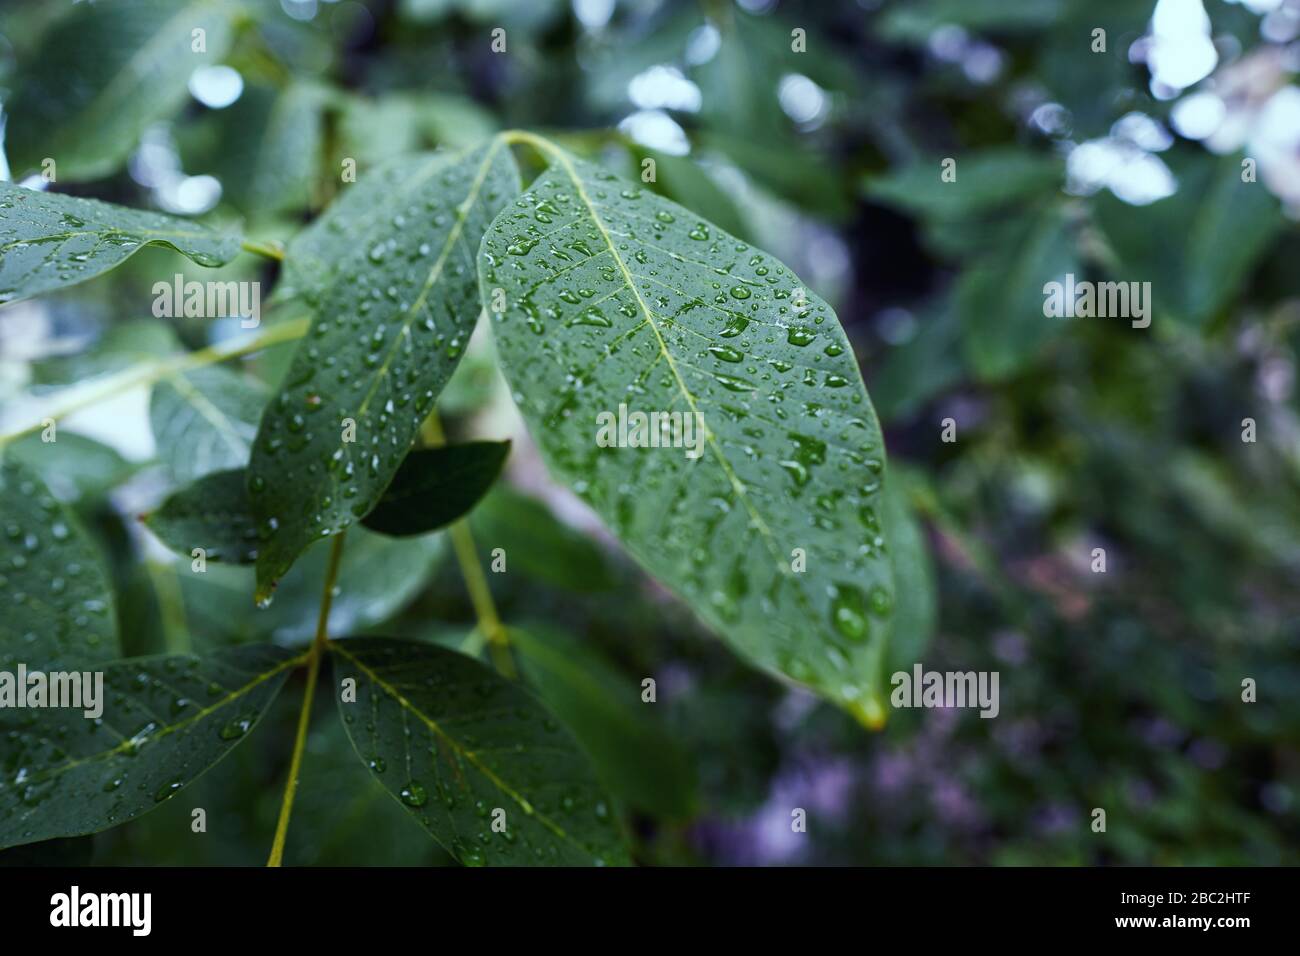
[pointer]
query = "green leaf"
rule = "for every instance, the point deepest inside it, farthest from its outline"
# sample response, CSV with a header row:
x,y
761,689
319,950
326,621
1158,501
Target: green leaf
x,y
1000,296
267,146
48,241
453,742
165,721
386,338
916,20
213,513
379,577
102,74
683,181
915,611
986,180
538,543
73,466
435,486
204,420
633,755
55,601
1208,248
632,299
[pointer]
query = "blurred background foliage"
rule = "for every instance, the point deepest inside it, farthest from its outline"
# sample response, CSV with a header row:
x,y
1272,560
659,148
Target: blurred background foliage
x,y
1119,690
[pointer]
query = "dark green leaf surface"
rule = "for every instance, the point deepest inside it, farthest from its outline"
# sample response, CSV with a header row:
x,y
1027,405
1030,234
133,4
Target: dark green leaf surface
x,y
165,721
386,338
102,74
435,486
55,601
48,240
632,753
617,295
212,514
452,741
204,420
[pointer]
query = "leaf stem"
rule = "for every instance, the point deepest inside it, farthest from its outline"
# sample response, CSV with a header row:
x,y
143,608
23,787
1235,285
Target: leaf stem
x,y
314,657
480,595
267,249
146,373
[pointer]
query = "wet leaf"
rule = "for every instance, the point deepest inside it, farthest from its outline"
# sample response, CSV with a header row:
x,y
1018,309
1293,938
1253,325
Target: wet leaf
x,y
632,753
386,338
453,742
165,721
615,296
204,420
435,486
102,74
55,600
212,514
48,241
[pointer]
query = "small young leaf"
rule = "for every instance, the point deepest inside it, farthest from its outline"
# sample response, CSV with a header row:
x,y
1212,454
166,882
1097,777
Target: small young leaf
x,y
48,240
632,753
55,602
102,74
204,420
213,514
436,486
165,721
386,338
631,304
454,743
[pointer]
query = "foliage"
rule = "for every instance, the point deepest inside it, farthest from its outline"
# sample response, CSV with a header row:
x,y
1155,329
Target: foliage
x,y
389,490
